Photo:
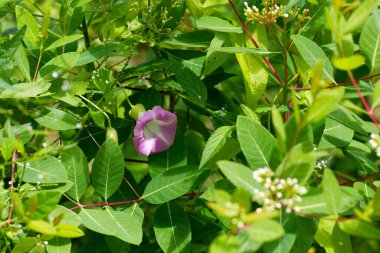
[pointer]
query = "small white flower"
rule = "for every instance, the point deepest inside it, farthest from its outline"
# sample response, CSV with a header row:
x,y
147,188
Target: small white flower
x,y
66,86
79,125
54,74
44,144
286,15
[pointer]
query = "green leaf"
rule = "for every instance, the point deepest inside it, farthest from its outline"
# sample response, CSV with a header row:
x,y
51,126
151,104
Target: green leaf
x,y
95,53
257,143
239,175
223,184
360,229
68,231
73,17
25,245
215,143
265,231
23,63
44,170
314,202
59,245
63,41
324,102
173,183
255,77
199,38
107,169
75,163
25,90
332,238
42,227
301,163
313,55
41,203
64,215
331,192
128,224
175,156
359,16
125,225
172,228
194,89
370,40
24,18
224,244
57,120
217,25
335,135
349,62
317,20
360,153
279,126
61,64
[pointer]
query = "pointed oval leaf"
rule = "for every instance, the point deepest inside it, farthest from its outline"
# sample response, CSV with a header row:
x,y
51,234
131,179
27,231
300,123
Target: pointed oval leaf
x,y
25,90
75,163
239,175
107,169
57,120
370,40
125,225
331,192
25,18
68,231
60,64
215,143
173,183
313,54
217,24
45,170
172,229
257,143
63,41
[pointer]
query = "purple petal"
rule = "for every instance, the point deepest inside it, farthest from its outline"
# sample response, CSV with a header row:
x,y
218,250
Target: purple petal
x,y
154,131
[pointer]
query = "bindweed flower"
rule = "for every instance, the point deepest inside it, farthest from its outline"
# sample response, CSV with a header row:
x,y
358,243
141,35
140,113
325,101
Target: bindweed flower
x,y
155,131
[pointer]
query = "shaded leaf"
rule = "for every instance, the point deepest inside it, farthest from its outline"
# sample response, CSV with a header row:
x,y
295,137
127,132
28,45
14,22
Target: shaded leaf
x,y
172,228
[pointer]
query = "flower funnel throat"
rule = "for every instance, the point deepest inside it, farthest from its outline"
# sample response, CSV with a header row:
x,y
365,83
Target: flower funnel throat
x,y
155,131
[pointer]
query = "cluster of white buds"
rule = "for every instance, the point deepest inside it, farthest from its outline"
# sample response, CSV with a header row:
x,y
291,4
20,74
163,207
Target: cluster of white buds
x,y
375,143
268,14
278,193
321,164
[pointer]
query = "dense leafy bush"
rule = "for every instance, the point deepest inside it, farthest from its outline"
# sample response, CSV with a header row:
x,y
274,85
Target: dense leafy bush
x,y
189,126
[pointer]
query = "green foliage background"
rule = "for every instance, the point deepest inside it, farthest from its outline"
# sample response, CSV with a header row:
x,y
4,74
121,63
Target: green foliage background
x,y
288,85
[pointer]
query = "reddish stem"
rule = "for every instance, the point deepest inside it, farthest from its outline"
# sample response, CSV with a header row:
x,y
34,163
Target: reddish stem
x,y
366,106
338,84
133,189
124,202
361,179
254,42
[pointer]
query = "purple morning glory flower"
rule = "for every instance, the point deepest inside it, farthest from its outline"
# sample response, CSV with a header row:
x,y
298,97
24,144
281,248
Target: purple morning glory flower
x,y
155,131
